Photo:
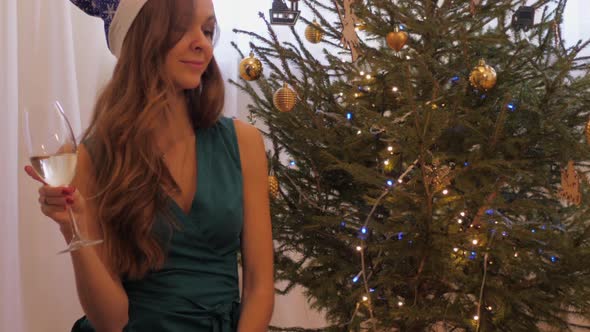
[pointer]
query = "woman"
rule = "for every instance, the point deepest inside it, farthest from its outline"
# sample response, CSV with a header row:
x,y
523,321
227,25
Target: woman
x,y
173,188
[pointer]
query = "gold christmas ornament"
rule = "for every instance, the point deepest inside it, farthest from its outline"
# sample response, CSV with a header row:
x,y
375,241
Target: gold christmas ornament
x,y
483,76
314,32
397,39
588,132
285,99
250,68
273,186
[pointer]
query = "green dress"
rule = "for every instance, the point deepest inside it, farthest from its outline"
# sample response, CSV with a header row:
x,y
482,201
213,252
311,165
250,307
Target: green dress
x,y
197,289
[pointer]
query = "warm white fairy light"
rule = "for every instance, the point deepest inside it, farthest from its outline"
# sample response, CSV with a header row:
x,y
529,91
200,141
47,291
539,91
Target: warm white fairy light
x,y
395,89
489,308
368,76
455,249
462,214
400,303
400,181
390,148
475,242
445,192
359,248
386,162
476,317
515,254
460,221
365,299
341,94
362,73
359,132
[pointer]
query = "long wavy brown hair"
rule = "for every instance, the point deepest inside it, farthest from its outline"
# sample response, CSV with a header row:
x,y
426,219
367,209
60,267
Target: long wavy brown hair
x,y
130,175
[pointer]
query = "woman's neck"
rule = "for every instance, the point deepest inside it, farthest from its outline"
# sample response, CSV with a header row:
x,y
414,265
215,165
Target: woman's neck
x,y
176,124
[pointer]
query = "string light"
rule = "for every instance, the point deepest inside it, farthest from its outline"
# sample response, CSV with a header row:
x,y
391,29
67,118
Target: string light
x,y
362,73
476,317
386,162
445,192
390,148
364,230
462,214
368,76
475,242
390,183
359,132
359,248
395,89
365,299
455,249
400,181
400,303
349,115
460,221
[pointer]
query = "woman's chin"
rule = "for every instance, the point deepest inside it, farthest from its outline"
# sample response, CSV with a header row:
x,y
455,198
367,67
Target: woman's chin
x,y
189,85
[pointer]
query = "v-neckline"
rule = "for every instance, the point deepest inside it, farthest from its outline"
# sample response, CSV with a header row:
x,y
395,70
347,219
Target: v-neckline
x,y
196,195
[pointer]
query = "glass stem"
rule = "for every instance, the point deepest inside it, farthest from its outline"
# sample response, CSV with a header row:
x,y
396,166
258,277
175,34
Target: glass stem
x,y
76,237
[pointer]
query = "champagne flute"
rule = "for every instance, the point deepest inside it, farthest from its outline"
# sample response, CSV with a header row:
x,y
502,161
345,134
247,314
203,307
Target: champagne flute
x,y
53,152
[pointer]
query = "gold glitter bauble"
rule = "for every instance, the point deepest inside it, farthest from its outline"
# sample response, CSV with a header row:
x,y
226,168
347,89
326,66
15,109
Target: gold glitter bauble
x,y
273,184
250,68
397,39
314,32
285,99
483,76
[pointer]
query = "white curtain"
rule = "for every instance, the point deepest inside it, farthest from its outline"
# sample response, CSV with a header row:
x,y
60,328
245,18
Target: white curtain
x,y
51,49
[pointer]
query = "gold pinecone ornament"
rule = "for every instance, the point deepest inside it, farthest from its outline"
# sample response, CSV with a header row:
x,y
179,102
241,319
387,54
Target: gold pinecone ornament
x,y
285,99
273,186
250,68
314,32
483,76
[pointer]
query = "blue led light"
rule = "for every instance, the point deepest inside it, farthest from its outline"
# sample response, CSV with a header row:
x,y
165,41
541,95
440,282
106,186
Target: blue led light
x,y
490,212
390,183
455,79
343,224
364,230
355,279
553,259
349,116
511,107
400,235
292,163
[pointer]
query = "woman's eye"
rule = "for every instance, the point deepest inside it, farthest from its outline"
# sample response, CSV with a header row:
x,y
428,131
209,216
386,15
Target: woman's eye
x,y
209,33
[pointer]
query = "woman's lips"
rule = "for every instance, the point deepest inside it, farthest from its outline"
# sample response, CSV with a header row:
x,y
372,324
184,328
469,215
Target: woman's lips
x,y
194,64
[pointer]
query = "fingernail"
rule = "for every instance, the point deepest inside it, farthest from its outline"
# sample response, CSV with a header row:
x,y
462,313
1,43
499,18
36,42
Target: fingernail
x,y
69,200
66,191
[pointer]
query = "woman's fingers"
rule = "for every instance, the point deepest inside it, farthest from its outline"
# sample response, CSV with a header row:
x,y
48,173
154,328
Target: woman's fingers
x,y
29,170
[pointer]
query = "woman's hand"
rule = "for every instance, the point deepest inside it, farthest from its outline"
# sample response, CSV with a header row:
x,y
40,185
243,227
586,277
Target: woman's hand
x,y
54,202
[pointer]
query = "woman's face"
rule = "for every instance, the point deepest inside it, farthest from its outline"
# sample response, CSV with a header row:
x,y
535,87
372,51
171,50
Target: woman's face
x,y
188,59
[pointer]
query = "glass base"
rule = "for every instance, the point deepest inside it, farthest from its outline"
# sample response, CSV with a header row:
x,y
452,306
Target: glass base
x,y
75,245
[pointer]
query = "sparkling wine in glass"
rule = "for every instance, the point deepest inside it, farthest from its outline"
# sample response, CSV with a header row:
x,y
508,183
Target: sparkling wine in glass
x,y
53,152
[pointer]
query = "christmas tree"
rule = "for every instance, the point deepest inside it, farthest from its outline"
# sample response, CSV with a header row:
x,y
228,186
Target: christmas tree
x,y
436,179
